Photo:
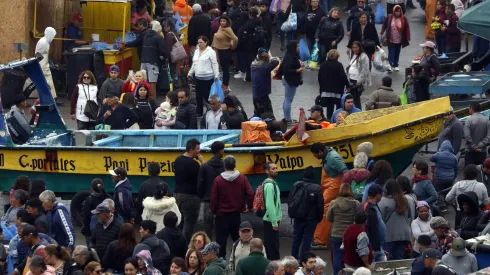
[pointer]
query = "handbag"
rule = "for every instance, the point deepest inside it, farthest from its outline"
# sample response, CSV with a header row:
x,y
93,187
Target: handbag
x,y
91,109
178,52
164,81
291,23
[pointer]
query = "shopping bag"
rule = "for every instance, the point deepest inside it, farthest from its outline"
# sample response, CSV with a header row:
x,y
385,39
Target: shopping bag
x,y
380,60
178,24
304,52
9,231
380,14
217,90
313,60
403,96
291,23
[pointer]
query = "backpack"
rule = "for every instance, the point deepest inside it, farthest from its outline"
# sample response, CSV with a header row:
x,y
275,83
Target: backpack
x,y
298,200
358,189
161,257
20,131
259,199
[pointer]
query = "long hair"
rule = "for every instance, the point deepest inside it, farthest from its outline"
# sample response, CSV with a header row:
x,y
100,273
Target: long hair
x,y
57,251
199,233
381,172
405,184
173,97
358,44
200,265
91,267
345,191
129,100
127,238
393,189
92,77
161,191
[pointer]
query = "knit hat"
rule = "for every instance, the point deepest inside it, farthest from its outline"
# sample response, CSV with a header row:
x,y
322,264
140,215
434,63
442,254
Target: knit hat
x,y
365,147
438,222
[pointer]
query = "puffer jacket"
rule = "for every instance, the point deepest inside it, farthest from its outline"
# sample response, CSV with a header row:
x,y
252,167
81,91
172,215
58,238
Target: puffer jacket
x,y
155,210
354,15
186,117
215,267
468,228
446,162
383,97
330,29
341,213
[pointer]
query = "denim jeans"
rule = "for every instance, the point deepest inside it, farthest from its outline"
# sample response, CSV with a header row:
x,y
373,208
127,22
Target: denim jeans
x,y
289,92
396,249
189,206
338,254
303,231
394,54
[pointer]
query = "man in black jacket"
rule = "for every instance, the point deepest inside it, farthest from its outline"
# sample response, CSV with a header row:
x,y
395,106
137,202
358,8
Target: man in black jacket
x,y
266,21
207,173
153,52
141,24
117,116
148,187
160,253
231,118
200,24
106,230
172,235
186,117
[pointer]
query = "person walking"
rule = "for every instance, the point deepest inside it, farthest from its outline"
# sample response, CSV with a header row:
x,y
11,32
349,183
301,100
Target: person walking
x,y
106,230
255,263
365,32
333,170
123,193
329,33
273,212
358,72
341,214
230,195
304,227
207,173
199,25
313,16
186,178
477,135
397,35
42,48
224,42
440,36
333,82
292,69
391,4
86,90
148,187
355,12
119,250
375,225
384,97
397,216
160,204
429,61
204,70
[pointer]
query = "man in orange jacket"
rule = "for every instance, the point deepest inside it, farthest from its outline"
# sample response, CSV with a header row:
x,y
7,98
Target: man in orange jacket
x,y
333,169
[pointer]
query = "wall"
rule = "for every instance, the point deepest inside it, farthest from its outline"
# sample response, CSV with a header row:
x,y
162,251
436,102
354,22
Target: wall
x,y
14,25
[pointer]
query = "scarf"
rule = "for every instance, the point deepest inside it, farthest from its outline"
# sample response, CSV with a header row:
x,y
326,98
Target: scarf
x,y
420,178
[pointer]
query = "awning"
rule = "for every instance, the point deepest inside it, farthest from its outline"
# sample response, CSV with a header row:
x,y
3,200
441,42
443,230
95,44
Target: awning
x,y
476,20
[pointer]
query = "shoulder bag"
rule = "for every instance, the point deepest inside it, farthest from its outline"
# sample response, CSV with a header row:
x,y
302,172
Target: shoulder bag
x,y
178,52
91,108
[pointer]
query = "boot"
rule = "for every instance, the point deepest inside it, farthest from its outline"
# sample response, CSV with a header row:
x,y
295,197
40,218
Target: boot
x,y
283,45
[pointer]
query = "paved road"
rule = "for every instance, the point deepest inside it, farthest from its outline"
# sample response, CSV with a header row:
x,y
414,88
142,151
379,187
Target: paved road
x,y
305,96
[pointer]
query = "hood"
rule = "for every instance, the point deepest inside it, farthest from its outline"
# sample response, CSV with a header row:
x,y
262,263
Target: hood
x,y
219,262
216,162
145,256
342,103
446,146
230,175
466,185
291,48
397,7
160,205
181,3
126,184
472,199
359,175
346,204
49,33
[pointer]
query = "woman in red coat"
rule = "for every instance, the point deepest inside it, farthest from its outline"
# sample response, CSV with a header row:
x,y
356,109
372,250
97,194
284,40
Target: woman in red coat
x,y
133,81
397,35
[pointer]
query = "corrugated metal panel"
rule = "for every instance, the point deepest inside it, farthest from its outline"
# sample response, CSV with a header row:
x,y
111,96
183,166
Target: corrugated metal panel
x,y
106,19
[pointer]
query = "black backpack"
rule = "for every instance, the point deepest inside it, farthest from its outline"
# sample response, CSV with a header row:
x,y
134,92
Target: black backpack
x,y
298,200
161,257
19,129
259,35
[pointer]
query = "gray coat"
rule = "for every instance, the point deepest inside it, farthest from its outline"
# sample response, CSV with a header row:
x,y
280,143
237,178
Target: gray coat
x,y
398,227
463,265
452,131
477,132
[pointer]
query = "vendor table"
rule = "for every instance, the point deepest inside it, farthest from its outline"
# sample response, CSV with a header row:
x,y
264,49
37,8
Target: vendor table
x,y
124,61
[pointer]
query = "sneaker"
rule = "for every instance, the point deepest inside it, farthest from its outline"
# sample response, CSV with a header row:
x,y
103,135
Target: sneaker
x,y
388,68
483,96
397,69
477,96
239,75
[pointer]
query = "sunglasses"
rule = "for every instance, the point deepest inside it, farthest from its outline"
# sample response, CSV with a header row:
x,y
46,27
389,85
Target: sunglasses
x,y
86,77
98,271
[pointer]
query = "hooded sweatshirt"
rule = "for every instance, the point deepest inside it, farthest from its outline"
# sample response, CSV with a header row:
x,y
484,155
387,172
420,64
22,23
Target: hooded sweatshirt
x,y
215,267
468,227
123,198
446,162
404,35
351,111
145,256
462,264
341,213
42,47
155,210
231,190
156,255
463,186
207,173
49,271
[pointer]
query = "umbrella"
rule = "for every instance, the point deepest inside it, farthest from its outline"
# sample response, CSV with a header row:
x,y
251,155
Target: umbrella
x,y
475,20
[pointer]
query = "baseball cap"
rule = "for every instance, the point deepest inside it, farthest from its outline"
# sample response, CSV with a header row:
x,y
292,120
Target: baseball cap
x,y
486,164
261,51
29,230
316,108
431,253
229,102
114,68
101,208
77,17
119,171
19,98
245,225
428,44
210,248
458,247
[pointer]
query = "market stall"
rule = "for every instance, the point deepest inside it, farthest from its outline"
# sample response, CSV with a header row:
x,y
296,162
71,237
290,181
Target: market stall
x,y
480,246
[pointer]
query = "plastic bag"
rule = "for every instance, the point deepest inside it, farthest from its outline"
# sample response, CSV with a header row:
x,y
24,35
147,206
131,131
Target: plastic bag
x,y
178,23
304,51
313,61
380,60
404,97
380,14
291,23
9,231
217,90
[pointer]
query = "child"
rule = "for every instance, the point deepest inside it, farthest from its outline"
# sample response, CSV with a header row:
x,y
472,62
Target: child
x,y
165,115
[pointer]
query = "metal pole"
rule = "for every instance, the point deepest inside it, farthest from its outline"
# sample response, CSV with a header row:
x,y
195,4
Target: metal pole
x,y
123,49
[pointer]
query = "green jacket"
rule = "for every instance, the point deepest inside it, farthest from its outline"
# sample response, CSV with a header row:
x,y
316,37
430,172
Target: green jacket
x,y
333,164
273,211
254,264
216,267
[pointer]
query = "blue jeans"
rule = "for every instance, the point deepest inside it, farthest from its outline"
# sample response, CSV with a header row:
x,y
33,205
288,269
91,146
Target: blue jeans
x,y
379,256
441,43
338,254
394,54
289,92
303,231
396,249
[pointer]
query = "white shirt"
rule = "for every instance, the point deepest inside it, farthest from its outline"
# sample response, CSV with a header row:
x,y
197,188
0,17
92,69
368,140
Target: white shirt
x,y
212,119
354,68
